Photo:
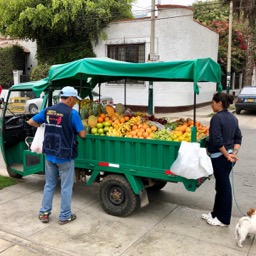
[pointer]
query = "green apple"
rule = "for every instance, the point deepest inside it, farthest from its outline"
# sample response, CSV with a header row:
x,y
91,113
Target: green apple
x,y
99,125
106,129
94,130
106,124
100,131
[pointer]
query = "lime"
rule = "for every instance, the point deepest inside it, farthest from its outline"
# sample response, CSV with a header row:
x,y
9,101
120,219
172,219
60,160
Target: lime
x,y
106,129
100,131
99,125
94,130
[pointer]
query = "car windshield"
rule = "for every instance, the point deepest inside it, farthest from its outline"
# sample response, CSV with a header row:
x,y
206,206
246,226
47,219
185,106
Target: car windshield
x,y
248,90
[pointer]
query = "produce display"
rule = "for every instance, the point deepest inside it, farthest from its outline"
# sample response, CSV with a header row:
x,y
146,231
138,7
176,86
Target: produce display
x,y
120,122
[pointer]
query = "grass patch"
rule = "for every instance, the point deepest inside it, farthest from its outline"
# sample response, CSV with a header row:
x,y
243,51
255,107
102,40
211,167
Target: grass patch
x,y
7,181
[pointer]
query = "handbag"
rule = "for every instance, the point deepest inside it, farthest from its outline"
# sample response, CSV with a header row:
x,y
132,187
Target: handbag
x,y
37,143
192,161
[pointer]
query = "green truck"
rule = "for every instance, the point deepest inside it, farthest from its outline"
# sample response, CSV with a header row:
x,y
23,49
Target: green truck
x,y
124,167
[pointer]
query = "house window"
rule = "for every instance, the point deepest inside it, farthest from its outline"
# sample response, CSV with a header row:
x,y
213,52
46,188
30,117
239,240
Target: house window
x,y
128,52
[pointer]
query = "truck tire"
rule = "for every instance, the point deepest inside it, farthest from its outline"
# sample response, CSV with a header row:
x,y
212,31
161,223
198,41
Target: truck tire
x,y
13,174
116,196
159,184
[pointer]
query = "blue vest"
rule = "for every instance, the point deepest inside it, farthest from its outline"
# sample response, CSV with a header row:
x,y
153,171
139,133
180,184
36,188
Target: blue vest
x,y
60,137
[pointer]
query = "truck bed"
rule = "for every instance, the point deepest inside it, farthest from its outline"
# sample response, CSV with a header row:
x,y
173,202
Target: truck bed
x,y
144,158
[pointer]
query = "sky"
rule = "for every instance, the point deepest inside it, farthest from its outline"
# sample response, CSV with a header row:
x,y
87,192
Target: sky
x,y
141,6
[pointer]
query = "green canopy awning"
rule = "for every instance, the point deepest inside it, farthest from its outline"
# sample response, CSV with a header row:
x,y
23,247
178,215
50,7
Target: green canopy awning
x,y
90,71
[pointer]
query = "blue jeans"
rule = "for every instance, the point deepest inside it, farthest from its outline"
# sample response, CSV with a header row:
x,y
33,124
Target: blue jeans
x,y
52,173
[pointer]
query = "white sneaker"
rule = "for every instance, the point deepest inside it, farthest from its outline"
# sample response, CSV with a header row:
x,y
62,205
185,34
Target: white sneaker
x,y
206,216
216,222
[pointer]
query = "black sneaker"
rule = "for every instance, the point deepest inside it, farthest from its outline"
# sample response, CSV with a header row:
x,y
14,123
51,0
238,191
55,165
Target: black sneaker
x,y
71,218
44,217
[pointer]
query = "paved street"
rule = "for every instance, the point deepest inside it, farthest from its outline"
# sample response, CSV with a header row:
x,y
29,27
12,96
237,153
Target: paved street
x,y
170,225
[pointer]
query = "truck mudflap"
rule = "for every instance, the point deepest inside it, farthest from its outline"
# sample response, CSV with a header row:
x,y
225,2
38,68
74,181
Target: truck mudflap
x,y
143,198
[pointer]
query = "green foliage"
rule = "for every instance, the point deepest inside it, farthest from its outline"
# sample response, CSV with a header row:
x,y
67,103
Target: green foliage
x,y
12,58
63,29
7,181
215,15
211,10
39,72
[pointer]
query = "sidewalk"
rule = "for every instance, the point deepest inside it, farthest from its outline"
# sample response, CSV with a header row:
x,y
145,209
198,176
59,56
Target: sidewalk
x,y
160,229
202,114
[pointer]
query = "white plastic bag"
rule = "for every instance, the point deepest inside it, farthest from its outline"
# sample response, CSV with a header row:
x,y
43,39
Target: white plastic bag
x,y
192,161
37,143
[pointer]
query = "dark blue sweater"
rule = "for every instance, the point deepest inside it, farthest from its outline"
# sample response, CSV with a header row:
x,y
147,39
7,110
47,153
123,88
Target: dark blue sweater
x,y
224,131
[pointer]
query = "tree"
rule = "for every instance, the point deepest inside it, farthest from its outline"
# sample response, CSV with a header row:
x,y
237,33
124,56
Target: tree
x,y
246,12
215,14
64,29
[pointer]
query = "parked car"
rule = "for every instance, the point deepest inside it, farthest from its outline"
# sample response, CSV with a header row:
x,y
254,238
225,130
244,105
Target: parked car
x,y
246,99
32,106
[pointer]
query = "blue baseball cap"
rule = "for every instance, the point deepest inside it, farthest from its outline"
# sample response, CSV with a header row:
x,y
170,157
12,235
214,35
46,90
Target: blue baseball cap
x,y
69,91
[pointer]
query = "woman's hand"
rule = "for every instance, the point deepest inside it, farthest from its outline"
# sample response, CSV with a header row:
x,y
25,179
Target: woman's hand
x,y
232,157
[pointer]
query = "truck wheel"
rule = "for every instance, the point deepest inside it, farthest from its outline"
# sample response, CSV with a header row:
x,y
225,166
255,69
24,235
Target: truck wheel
x,y
116,196
13,174
157,186
33,109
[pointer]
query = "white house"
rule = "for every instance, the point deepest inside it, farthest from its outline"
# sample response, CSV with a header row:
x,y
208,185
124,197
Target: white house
x,y
177,37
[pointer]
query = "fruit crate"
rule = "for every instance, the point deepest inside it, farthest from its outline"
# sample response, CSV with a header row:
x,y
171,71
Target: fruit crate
x,y
131,156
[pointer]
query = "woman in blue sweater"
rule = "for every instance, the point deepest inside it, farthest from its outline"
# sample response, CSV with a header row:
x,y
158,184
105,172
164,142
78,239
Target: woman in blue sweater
x,y
224,142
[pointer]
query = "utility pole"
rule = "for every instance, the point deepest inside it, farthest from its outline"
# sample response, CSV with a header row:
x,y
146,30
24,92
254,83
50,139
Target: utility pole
x,y
152,52
229,47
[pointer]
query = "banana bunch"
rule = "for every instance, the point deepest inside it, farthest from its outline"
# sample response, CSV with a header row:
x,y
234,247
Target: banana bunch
x,y
123,128
84,102
134,120
114,132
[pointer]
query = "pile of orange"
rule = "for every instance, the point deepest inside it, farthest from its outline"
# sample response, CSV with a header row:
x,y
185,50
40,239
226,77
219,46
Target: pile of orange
x,y
103,118
143,131
114,119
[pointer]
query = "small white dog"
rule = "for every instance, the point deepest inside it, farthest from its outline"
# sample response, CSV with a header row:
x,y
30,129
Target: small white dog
x,y
245,226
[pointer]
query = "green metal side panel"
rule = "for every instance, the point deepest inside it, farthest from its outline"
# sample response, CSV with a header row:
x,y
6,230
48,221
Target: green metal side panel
x,y
22,161
132,158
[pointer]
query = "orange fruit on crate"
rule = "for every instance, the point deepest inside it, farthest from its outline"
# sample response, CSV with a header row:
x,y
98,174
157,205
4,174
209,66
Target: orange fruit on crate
x,y
135,127
144,126
153,128
145,135
103,115
148,130
100,119
122,120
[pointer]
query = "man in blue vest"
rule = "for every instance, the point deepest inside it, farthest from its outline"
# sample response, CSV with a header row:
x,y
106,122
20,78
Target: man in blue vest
x,y
62,125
